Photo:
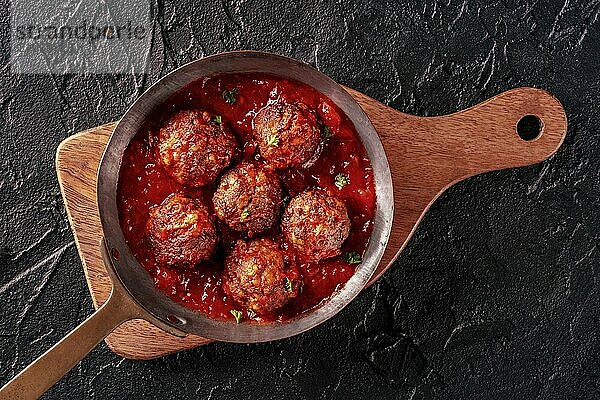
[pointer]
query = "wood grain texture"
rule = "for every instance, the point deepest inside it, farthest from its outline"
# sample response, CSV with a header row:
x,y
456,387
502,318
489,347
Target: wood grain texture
x,y
426,156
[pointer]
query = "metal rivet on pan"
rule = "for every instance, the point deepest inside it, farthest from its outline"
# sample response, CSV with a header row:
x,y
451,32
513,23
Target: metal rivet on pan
x,y
175,320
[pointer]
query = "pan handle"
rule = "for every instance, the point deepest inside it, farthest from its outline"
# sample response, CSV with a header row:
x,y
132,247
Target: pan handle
x,y
44,372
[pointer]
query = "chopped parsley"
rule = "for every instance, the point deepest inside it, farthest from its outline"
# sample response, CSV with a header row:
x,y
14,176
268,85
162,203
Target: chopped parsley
x,y
237,315
216,119
230,96
251,313
352,258
245,213
288,285
273,140
326,132
341,180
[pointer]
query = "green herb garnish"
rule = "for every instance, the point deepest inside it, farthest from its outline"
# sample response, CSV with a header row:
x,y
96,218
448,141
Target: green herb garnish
x,y
237,315
326,132
288,285
245,213
216,119
341,180
352,258
273,140
251,313
230,96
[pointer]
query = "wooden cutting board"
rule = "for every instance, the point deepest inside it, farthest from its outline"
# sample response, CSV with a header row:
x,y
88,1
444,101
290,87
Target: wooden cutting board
x,y
426,156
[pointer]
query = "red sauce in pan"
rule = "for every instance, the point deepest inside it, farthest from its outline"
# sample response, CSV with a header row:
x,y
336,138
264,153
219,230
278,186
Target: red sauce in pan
x,y
144,184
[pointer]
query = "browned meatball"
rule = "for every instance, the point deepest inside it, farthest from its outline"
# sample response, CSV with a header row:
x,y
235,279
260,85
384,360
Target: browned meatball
x,y
288,135
181,231
316,224
248,198
194,147
256,276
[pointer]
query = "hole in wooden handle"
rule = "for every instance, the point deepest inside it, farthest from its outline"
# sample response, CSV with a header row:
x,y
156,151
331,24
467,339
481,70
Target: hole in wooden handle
x,y
529,127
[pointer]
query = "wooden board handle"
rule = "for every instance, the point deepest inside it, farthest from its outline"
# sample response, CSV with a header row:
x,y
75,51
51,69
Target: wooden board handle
x,y
436,152
484,137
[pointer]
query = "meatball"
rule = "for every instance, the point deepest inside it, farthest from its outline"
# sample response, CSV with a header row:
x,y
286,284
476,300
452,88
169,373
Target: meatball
x,y
181,231
248,198
256,276
316,224
288,135
194,147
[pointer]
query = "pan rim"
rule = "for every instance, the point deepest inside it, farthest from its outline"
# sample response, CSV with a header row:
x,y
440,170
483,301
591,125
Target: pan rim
x,y
157,303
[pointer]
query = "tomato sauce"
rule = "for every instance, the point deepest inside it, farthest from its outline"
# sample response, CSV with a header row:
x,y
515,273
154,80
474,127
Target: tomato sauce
x,y
144,184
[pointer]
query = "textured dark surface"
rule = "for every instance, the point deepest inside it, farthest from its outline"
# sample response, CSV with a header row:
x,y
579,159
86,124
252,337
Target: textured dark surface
x,y
497,295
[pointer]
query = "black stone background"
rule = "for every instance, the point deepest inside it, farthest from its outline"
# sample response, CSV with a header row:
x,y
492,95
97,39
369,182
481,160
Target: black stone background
x,y
495,297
